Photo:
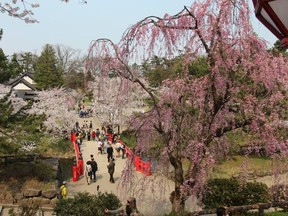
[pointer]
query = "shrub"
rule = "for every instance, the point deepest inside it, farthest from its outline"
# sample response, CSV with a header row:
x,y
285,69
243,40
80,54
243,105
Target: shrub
x,y
129,137
43,171
230,192
278,193
87,204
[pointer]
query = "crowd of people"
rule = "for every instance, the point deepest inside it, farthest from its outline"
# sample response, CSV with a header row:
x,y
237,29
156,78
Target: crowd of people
x,y
86,132
104,146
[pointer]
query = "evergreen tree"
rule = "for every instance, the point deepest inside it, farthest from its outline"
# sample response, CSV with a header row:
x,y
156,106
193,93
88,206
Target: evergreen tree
x,y
47,73
14,66
74,80
4,70
16,126
27,61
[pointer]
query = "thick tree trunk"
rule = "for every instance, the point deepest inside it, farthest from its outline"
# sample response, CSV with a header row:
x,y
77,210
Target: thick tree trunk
x,y
178,203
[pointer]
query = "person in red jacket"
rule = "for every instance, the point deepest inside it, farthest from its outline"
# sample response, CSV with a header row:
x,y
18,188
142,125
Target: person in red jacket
x,y
93,135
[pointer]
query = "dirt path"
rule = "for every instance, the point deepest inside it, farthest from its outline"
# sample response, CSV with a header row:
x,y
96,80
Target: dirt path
x,y
152,204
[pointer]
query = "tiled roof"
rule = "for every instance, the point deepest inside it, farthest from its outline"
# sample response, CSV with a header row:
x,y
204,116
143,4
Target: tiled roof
x,y
22,80
11,82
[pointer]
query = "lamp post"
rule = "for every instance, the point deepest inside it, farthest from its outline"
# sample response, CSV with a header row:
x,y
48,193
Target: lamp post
x,y
273,14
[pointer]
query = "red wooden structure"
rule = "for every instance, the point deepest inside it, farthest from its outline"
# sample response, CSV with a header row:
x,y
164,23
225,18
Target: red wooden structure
x,y
77,169
110,137
141,166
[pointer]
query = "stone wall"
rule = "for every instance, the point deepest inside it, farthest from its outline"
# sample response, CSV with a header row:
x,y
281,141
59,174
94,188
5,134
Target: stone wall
x,y
45,198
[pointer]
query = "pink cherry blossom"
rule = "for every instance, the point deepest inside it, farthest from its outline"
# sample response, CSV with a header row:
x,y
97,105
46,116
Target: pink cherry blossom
x,y
190,116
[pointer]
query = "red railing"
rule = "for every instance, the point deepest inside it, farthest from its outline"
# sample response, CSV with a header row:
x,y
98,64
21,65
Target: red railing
x,y
110,137
141,166
77,169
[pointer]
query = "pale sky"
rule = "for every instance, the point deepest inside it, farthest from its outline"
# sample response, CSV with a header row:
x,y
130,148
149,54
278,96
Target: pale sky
x,y
75,24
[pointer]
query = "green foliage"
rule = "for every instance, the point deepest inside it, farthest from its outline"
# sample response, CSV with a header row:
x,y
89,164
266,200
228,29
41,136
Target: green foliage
x,y
47,74
149,102
65,168
229,192
22,171
17,127
159,69
27,60
237,138
4,69
14,67
199,67
74,80
53,146
277,49
6,110
43,171
129,137
87,204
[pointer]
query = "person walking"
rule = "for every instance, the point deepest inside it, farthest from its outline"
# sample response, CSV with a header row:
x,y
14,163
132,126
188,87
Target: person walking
x,y
93,135
111,169
97,133
118,148
123,150
100,146
63,190
94,166
109,152
89,135
88,172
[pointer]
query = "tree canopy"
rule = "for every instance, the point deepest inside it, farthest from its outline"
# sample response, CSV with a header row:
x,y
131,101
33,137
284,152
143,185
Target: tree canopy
x,y
235,85
47,74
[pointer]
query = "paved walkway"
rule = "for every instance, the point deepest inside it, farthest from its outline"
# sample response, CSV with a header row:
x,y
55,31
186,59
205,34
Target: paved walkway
x,y
148,202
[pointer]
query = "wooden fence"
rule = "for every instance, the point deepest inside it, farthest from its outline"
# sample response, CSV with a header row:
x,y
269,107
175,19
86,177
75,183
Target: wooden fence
x,y
260,207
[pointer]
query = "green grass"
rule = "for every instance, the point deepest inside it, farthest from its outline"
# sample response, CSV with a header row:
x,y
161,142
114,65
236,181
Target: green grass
x,y
237,164
129,138
49,146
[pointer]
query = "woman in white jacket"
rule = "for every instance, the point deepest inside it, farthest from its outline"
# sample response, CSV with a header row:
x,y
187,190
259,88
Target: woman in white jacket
x,y
88,172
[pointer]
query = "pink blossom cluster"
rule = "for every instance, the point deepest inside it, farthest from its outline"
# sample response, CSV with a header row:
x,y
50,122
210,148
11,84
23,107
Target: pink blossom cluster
x,y
58,105
245,89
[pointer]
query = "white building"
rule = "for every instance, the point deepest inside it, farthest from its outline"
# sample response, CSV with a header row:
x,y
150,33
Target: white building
x,y
23,86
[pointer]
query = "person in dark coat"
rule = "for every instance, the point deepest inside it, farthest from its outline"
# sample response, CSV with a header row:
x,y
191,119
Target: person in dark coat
x,y
89,135
109,152
94,166
111,169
